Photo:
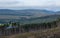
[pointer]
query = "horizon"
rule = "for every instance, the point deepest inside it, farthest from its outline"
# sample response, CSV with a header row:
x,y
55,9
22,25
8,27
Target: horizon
x,y
30,8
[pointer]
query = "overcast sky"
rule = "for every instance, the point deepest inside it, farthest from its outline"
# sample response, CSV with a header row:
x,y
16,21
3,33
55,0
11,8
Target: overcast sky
x,y
17,4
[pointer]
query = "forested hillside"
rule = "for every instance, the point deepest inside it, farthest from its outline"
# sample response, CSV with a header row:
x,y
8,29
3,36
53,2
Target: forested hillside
x,y
48,30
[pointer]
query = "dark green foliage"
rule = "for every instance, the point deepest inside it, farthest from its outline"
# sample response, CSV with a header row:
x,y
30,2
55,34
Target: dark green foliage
x,y
28,27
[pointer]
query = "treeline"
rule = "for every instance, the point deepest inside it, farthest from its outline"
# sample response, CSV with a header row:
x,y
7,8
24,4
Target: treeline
x,y
39,26
13,28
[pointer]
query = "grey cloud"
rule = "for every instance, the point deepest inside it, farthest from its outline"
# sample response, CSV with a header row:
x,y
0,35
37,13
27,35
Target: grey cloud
x,y
29,3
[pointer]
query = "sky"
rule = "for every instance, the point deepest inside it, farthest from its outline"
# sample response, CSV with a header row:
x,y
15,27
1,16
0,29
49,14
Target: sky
x,y
25,4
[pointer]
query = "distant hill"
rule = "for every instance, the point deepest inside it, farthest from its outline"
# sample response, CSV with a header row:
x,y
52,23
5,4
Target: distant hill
x,y
24,20
26,16
57,12
13,12
24,12
43,19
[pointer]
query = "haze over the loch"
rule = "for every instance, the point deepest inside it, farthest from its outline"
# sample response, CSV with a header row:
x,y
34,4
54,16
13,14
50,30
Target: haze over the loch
x,y
29,4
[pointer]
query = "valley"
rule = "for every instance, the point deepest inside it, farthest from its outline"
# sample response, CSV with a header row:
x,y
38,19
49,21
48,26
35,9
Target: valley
x,y
29,23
